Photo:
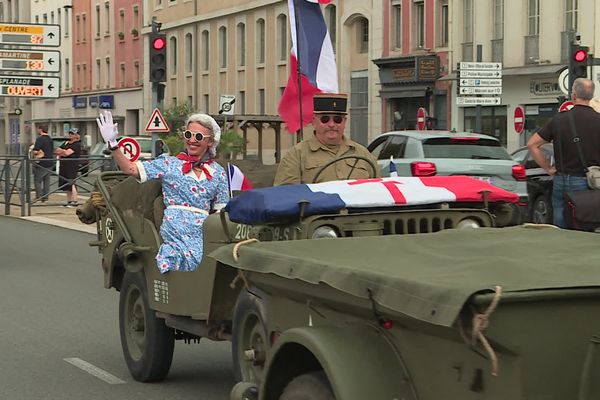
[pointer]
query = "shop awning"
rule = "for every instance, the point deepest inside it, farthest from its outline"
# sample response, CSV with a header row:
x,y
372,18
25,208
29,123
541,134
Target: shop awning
x,y
397,91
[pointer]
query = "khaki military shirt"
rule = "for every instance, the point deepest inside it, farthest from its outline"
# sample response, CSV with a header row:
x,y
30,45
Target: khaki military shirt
x,y
302,162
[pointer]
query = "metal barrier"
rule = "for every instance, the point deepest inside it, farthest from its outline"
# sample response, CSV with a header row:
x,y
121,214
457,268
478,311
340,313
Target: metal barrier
x,y
16,180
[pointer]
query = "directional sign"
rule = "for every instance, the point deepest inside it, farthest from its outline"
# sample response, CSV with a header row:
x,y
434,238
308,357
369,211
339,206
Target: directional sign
x,y
519,119
29,86
227,104
30,34
480,90
480,82
479,74
30,60
421,119
130,147
477,101
157,123
488,66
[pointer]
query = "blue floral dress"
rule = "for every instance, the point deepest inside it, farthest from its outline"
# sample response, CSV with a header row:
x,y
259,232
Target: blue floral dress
x,y
188,199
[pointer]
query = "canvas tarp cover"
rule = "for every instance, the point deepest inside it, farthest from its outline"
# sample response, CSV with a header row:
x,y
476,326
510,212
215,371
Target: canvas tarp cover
x,y
431,276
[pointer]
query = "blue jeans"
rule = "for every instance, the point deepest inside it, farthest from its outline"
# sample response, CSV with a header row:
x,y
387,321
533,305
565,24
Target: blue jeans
x,y
562,184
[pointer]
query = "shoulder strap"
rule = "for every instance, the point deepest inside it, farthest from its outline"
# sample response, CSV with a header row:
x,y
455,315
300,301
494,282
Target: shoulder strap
x,y
577,140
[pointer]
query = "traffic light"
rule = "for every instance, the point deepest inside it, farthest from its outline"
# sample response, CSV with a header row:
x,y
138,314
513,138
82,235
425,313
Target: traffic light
x,y
578,63
158,57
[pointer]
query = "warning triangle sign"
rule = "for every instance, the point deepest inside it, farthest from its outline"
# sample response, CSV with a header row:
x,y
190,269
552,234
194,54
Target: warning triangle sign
x,y
157,123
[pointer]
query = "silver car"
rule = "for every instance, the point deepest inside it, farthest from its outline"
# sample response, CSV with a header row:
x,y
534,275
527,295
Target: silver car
x,y
428,153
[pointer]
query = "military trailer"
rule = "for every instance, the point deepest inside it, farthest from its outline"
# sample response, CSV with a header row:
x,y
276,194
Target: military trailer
x,y
220,300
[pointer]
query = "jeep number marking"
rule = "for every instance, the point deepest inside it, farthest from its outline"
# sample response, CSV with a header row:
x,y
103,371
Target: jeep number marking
x,y
108,230
281,234
242,232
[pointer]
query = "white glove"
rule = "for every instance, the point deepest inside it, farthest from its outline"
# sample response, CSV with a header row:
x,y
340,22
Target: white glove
x,y
108,129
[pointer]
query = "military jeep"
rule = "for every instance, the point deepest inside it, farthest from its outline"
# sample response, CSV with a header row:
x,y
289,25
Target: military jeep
x,y
216,301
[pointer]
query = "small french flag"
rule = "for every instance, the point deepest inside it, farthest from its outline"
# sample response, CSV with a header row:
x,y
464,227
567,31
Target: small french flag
x,y
236,179
393,170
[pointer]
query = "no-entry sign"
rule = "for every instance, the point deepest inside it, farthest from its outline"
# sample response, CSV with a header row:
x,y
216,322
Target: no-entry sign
x,y
421,117
519,119
566,106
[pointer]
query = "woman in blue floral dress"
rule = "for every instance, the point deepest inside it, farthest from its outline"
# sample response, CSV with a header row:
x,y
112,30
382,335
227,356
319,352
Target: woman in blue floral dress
x,y
192,184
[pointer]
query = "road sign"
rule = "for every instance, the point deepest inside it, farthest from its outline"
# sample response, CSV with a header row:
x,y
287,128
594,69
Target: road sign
x,y
157,123
30,60
421,119
519,119
29,86
480,90
477,101
226,104
480,82
130,147
479,74
566,106
563,82
30,34
488,66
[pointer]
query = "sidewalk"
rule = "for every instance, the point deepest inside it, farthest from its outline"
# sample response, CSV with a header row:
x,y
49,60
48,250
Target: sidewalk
x,y
53,213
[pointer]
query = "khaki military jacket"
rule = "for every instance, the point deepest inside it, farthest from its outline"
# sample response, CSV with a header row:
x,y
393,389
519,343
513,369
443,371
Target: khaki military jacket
x,y
302,163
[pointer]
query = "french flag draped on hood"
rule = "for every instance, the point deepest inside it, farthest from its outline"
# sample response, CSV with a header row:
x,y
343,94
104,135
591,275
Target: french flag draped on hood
x,y
267,204
311,46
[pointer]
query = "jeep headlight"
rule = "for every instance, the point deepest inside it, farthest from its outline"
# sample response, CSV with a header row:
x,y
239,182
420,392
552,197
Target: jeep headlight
x,y
468,223
324,232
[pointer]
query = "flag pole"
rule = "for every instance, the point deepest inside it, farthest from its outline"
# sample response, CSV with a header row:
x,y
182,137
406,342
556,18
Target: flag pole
x,y
299,133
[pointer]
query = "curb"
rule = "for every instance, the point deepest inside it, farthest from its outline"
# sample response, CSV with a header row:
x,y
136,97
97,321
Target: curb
x,y
63,224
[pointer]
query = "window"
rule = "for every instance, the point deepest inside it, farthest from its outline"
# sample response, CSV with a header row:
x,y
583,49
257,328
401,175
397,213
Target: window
x,y
468,21
498,19
83,27
419,24
261,102
67,74
206,103
37,19
205,52
223,47
107,61
122,75
157,3
45,18
59,16
533,17
136,17
241,44
332,24
396,24
363,35
97,20
571,15
67,22
260,41
85,77
121,21
78,76
51,17
136,70
173,55
444,18
190,101
107,17
98,73
241,102
189,56
77,29
282,37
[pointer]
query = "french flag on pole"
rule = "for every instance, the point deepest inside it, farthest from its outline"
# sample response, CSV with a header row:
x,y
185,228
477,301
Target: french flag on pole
x,y
311,47
236,179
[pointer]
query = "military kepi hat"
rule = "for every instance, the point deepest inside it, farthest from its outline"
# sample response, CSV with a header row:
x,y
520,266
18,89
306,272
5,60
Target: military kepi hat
x,y
330,103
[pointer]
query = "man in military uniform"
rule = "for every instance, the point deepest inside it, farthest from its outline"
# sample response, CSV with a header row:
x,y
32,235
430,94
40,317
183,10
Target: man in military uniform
x,y
302,162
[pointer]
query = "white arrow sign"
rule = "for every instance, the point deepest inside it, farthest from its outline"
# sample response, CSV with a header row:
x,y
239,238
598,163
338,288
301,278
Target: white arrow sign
x,y
30,60
488,66
480,74
29,86
480,82
477,101
480,90
30,34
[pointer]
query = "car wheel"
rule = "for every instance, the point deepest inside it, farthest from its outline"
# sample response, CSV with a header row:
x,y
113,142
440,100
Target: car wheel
x,y
310,386
541,210
147,342
249,342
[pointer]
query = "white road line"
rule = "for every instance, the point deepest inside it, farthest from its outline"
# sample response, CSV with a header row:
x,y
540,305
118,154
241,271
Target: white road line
x,y
93,370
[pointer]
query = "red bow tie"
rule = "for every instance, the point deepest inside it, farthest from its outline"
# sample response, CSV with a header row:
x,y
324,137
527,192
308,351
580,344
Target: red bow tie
x,y
190,161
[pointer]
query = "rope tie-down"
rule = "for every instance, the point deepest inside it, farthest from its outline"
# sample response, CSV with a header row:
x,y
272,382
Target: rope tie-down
x,y
236,256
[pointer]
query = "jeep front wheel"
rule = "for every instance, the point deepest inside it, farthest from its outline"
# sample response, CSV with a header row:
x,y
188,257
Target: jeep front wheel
x,y
310,386
147,342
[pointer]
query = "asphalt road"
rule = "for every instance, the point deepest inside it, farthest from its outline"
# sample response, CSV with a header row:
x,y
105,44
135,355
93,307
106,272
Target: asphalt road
x,y
59,336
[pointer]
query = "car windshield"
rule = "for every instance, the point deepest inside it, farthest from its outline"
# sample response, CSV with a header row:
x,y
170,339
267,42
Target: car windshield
x,y
469,148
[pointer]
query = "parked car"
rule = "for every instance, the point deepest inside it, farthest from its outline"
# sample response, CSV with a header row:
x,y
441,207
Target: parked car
x,y
418,153
539,184
145,150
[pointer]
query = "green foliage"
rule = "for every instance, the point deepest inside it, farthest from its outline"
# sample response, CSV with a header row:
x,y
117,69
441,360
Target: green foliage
x,y
175,143
176,115
231,143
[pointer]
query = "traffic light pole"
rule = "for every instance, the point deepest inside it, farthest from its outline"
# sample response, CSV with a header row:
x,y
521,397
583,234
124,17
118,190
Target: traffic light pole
x,y
156,101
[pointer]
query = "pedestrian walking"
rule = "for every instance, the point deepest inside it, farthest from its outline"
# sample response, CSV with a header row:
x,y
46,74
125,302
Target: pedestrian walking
x,y
43,161
69,154
568,172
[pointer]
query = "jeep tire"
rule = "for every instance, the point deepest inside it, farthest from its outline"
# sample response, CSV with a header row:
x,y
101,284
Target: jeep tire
x,y
309,386
147,342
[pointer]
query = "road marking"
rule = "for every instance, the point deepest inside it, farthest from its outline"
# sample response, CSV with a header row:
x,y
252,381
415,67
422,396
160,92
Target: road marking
x,y
93,370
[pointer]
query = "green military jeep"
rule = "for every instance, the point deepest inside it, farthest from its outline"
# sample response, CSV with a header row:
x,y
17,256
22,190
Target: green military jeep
x,y
227,300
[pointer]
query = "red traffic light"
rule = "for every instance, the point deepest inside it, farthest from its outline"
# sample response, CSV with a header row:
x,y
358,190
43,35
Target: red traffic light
x,y
158,43
580,55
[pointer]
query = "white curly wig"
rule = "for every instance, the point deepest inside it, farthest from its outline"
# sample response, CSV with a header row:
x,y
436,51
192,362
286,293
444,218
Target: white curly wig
x,y
209,123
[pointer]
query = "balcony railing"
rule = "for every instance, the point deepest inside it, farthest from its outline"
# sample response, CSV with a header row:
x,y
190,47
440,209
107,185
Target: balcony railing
x,y
532,49
497,50
467,51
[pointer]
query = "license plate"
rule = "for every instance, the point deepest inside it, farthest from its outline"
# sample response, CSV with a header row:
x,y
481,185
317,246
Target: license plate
x,y
484,178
